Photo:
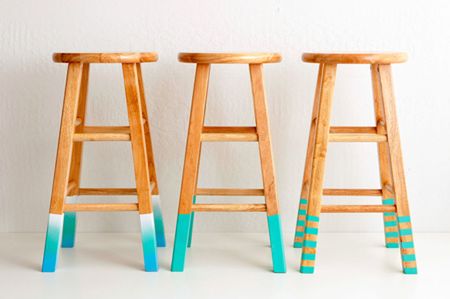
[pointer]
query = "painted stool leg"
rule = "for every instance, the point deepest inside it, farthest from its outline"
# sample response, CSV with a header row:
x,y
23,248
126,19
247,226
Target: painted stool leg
x,y
390,225
310,244
181,240
159,222
52,242
276,244
149,242
69,230
191,227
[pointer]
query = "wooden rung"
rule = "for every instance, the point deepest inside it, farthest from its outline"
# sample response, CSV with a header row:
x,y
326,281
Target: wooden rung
x,y
356,137
350,130
103,134
229,134
352,192
229,208
99,207
357,208
229,192
107,191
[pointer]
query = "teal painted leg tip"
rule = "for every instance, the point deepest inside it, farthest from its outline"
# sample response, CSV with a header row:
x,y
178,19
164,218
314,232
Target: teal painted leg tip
x,y
276,244
410,271
392,245
52,242
306,270
180,244
69,230
159,223
298,244
149,242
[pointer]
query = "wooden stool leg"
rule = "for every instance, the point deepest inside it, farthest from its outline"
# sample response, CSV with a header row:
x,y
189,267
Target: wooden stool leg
x,y
191,163
389,218
265,153
318,167
62,167
157,212
191,226
141,170
301,218
70,218
398,176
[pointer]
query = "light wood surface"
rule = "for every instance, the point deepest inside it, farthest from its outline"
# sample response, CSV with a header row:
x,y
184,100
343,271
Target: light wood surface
x,y
356,208
100,133
355,58
66,131
229,192
352,192
229,134
247,58
356,137
229,208
350,130
101,207
105,57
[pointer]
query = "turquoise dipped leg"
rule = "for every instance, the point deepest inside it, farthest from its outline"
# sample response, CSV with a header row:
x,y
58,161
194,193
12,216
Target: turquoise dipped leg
x,y
52,242
69,230
191,227
159,223
181,239
301,222
149,242
390,225
276,244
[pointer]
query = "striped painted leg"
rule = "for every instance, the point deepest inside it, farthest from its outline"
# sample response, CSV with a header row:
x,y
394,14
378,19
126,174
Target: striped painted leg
x,y
180,244
310,244
52,242
301,222
407,245
191,227
159,222
390,225
149,242
69,228
276,243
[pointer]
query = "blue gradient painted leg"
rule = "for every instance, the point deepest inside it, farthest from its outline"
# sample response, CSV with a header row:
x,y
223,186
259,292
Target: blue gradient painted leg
x,y
149,242
191,227
181,239
52,242
159,222
276,243
69,227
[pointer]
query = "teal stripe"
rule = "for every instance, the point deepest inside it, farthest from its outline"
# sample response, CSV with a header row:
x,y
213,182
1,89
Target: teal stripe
x,y
308,256
410,270
407,245
302,212
299,234
180,244
303,201
391,245
301,223
312,230
389,214
406,232
390,223
276,244
403,219
388,201
309,243
312,218
307,270
391,234
408,257
298,245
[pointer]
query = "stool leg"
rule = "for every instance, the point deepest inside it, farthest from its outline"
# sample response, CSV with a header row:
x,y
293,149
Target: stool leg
x,y
301,215
265,153
389,218
62,167
141,170
191,163
398,176
191,227
159,222
70,218
318,167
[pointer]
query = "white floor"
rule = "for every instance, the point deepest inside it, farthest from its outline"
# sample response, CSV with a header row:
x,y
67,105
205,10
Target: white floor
x,y
223,266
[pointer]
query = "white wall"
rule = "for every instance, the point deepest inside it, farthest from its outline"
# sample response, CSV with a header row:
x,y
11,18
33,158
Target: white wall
x,y
31,91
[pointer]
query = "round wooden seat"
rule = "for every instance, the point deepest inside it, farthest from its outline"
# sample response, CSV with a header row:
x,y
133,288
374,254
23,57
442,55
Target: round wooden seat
x,y
250,58
133,57
355,58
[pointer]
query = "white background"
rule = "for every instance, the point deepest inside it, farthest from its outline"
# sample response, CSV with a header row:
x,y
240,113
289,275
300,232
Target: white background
x,y
31,92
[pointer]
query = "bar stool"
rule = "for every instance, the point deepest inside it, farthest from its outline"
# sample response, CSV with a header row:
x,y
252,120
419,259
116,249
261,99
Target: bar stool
x,y
73,132
199,133
395,207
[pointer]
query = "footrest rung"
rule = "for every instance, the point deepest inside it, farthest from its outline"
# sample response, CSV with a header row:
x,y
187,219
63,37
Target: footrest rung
x,y
229,192
100,207
356,137
229,134
229,208
357,209
107,191
352,192
103,134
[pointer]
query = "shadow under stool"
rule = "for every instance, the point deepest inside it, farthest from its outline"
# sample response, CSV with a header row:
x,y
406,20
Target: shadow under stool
x,y
198,133
395,209
73,133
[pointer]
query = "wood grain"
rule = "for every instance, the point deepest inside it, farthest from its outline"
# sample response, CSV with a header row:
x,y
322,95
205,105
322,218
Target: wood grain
x,y
209,58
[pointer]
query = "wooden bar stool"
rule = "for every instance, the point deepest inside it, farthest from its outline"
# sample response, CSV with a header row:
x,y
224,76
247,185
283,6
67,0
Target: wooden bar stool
x,y
73,132
199,133
386,134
